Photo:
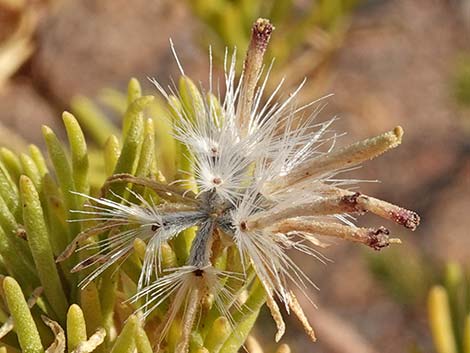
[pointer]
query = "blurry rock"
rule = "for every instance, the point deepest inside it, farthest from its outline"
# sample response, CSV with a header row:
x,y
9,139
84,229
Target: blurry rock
x,y
8,20
448,225
395,69
88,45
24,112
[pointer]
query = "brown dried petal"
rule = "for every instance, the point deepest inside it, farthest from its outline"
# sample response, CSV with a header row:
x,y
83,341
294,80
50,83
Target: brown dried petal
x,y
58,345
94,341
276,315
297,310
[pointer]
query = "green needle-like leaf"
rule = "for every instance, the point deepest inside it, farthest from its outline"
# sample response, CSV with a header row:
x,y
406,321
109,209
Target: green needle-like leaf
x,y
202,350
441,321
79,153
63,171
113,99
38,240
134,90
59,232
76,327
147,158
38,159
93,120
245,318
11,162
112,150
108,289
11,229
142,341
31,170
125,343
91,306
191,98
15,264
466,335
131,147
25,327
454,283
218,334
9,191
134,111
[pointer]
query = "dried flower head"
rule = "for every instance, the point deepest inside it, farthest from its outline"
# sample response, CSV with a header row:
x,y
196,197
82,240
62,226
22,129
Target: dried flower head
x,y
263,180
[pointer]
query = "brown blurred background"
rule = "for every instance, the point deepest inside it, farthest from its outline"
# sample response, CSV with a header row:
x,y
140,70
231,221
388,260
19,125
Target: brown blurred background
x,y
388,63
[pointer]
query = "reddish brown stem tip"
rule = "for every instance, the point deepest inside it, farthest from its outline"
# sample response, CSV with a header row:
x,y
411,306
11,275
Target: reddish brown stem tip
x,y
261,32
407,218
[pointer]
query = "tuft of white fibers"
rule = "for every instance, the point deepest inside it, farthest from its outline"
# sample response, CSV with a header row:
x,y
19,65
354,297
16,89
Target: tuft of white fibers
x,y
266,172
127,221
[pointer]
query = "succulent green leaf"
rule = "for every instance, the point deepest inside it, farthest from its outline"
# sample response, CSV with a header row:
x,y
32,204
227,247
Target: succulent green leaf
x,y
218,334
9,191
441,321
112,150
125,343
38,240
38,159
166,148
114,99
134,90
12,231
79,153
93,344
466,335
25,328
202,350
12,163
238,337
93,120
169,259
64,173
195,342
135,111
15,264
131,148
31,170
147,158
108,289
454,283
191,98
76,327
91,306
184,160
57,214
142,341
245,318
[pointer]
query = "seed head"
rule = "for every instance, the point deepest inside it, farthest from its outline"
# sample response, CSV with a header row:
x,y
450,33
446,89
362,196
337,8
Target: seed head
x,y
267,179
